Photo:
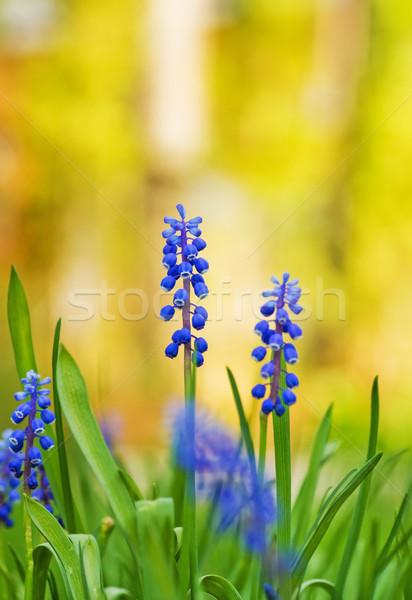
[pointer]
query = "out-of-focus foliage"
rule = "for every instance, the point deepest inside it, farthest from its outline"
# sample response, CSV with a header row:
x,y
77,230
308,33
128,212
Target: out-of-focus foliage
x,y
287,176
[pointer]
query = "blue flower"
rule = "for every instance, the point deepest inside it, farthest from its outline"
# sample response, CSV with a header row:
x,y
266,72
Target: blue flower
x,y
181,258
27,458
224,478
9,480
283,300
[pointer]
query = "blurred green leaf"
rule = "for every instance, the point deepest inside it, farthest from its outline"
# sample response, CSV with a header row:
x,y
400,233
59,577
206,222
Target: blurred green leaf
x,y
302,561
65,552
113,593
81,420
303,505
156,537
360,509
19,324
90,562
322,584
131,485
19,565
219,587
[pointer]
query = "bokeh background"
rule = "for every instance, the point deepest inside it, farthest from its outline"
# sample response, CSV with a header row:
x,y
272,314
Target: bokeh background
x,y
287,126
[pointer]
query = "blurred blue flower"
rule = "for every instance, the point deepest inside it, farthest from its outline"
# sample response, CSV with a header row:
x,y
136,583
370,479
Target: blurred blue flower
x,y
224,478
284,299
182,261
9,493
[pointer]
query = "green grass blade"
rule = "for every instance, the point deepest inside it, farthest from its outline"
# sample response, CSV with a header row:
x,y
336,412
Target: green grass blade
x,y
75,404
244,426
70,521
360,509
19,324
88,551
313,541
19,565
66,554
381,560
322,584
219,587
113,593
155,522
131,485
304,502
42,557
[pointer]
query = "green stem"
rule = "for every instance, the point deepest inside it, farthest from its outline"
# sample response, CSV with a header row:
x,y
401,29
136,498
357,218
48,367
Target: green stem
x,y
281,432
190,488
28,536
262,448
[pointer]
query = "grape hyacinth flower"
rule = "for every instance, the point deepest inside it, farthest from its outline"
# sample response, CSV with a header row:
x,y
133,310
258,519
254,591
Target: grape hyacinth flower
x,y
224,477
9,493
35,407
182,261
276,393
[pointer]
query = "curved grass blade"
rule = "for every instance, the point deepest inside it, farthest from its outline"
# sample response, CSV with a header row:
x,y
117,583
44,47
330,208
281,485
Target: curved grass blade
x,y
42,555
90,563
381,560
66,554
244,426
81,420
304,501
17,561
322,584
69,521
219,587
360,509
313,541
113,593
131,485
19,324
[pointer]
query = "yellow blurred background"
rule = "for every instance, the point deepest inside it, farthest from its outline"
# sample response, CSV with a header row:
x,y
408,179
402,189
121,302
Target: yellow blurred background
x,y
286,126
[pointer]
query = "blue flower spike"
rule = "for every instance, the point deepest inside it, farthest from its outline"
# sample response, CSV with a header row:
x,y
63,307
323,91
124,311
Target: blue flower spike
x,y
9,479
183,263
25,458
282,301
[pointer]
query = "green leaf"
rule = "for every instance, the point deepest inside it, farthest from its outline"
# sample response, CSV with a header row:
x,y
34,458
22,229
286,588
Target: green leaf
x,y
89,555
19,324
244,426
65,552
75,404
301,562
68,502
219,587
304,501
42,555
381,560
131,485
156,538
322,584
19,565
360,509
113,593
